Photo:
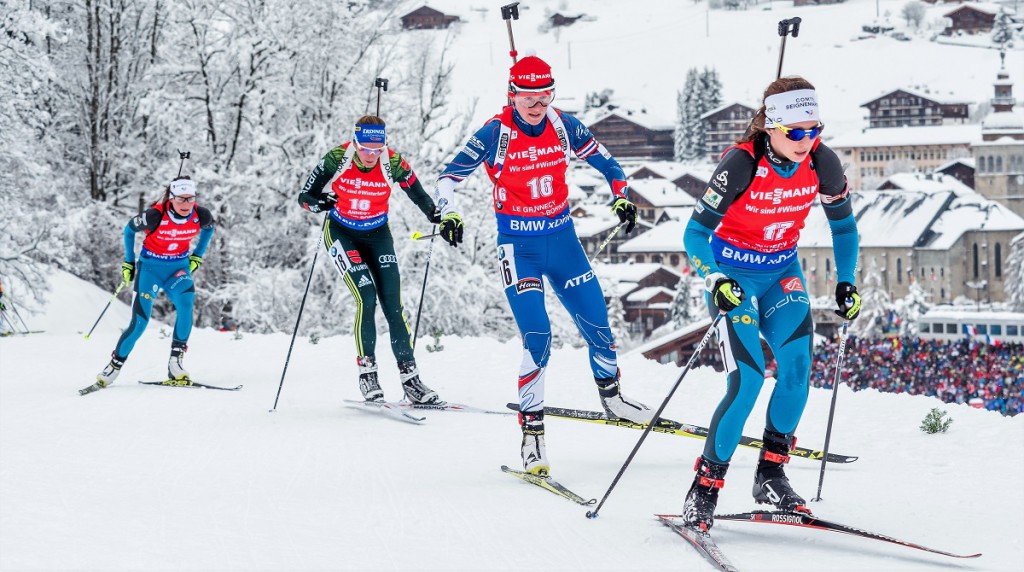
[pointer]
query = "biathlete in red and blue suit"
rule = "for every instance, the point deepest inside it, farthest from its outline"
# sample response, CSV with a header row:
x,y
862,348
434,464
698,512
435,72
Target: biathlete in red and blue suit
x,y
164,264
526,150
742,238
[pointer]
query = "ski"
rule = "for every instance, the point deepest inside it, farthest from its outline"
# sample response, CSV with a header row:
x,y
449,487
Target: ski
x,y
700,540
549,485
676,428
9,334
94,387
448,406
811,521
392,410
189,383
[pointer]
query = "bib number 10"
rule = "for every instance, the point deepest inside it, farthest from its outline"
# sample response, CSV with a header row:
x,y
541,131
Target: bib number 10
x,y
541,186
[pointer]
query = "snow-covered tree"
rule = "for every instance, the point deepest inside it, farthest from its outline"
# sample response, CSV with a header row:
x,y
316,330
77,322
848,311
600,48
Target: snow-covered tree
x,y
1002,30
617,320
701,93
913,12
910,308
875,305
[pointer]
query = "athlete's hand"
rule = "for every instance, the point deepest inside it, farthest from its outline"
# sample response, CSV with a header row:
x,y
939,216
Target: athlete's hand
x,y
322,204
128,272
194,262
451,228
725,292
434,216
848,301
626,211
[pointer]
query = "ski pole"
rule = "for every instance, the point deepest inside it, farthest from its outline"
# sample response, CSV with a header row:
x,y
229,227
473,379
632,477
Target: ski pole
x,y
657,414
832,408
607,240
298,318
423,290
17,314
510,12
786,27
10,324
380,83
182,155
109,302
420,236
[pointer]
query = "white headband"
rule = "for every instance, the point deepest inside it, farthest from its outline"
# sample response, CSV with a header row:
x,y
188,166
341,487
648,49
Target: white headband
x,y
183,187
791,107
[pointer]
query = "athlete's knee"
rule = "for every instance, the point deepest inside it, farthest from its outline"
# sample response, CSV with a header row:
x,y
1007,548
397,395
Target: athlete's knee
x,y
537,345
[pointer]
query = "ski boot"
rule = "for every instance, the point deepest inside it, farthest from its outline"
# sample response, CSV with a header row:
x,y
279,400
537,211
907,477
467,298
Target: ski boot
x,y
702,498
368,383
770,483
110,373
415,391
618,406
175,370
535,457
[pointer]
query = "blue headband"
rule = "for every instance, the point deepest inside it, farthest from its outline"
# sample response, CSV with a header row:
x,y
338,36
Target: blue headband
x,y
370,134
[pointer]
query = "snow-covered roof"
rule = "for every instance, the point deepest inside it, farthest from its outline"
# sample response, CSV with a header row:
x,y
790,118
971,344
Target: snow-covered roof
x,y
662,340
726,106
985,7
590,225
932,220
946,99
630,272
645,294
966,314
679,213
1003,120
968,161
900,136
661,193
665,237
637,113
929,183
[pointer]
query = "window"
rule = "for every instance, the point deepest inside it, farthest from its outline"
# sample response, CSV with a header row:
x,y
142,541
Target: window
x,y
922,272
899,271
639,257
981,163
951,329
974,249
803,265
999,260
1011,330
999,164
942,293
982,329
674,260
996,329
991,165
656,258
924,327
828,268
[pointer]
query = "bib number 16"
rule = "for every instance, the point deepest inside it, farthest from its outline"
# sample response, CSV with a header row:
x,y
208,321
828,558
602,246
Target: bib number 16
x,y
541,186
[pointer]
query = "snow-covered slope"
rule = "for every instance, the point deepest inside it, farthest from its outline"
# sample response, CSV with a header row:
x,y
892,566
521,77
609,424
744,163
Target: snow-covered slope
x,y
153,478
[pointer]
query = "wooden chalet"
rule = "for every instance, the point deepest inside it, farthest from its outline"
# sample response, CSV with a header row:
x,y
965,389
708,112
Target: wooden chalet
x,y
627,136
425,18
905,107
725,125
970,19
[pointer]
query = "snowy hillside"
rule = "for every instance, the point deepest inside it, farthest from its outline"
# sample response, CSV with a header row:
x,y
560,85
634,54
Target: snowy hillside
x,y
153,478
643,54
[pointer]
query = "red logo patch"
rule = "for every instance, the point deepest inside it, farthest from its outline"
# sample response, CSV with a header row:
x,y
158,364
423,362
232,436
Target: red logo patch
x,y
792,284
353,255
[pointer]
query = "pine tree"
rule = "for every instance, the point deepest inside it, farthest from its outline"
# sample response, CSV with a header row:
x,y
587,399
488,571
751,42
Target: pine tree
x,y
682,310
689,117
1002,31
617,320
679,135
710,99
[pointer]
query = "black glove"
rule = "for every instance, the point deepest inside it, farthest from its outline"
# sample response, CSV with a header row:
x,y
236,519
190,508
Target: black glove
x,y
434,216
725,292
626,211
322,204
848,301
451,228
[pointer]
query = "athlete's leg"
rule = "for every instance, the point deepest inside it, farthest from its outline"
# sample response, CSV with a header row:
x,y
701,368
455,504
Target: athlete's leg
x,y
740,344
181,291
343,252
519,262
788,328
383,263
147,287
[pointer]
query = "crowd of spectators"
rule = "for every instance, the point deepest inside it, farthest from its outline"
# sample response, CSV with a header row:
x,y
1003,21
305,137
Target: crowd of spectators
x,y
954,371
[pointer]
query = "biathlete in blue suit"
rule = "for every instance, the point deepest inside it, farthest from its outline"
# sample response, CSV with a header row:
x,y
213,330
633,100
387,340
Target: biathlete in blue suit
x,y
526,150
742,239
164,264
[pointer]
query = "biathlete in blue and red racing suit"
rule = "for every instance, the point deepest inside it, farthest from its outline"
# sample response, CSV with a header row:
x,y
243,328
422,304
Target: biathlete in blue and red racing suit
x,y
165,263
742,238
526,150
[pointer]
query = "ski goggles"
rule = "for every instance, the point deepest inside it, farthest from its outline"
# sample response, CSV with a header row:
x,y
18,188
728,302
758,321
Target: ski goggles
x,y
543,99
795,134
183,199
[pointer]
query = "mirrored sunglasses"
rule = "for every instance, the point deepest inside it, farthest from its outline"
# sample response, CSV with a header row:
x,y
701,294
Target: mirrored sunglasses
x,y
794,134
370,150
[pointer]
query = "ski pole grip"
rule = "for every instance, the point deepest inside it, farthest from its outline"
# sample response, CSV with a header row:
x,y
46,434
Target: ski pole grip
x,y
796,26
